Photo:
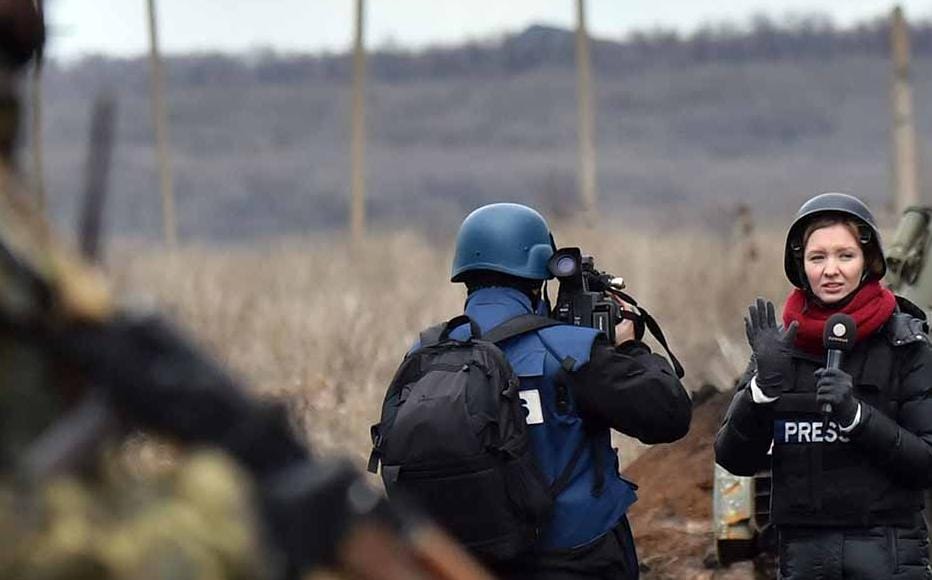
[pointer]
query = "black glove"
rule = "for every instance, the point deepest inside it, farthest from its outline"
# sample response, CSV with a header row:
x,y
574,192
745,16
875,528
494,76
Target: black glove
x,y
834,386
771,345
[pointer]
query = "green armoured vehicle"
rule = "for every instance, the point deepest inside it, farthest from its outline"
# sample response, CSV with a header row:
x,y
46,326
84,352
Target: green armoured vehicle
x,y
910,276
741,505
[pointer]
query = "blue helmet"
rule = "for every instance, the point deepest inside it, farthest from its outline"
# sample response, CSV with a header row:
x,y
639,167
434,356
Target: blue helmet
x,y
503,237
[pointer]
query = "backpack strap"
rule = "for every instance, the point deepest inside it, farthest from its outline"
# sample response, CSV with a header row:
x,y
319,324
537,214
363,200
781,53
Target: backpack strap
x,y
517,326
598,464
563,480
441,332
375,456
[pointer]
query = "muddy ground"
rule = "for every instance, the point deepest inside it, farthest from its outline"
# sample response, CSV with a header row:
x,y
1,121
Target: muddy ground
x,y
672,519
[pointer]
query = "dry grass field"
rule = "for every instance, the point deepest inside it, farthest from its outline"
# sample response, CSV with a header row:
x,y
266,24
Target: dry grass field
x,y
323,327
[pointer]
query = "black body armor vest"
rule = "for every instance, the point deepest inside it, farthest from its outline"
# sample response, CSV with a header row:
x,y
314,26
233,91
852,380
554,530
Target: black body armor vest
x,y
821,477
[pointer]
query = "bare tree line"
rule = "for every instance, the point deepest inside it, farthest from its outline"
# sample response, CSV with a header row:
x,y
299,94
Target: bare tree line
x,y
243,164
535,47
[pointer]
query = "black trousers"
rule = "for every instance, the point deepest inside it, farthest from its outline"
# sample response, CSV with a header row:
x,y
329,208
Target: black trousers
x,y
611,556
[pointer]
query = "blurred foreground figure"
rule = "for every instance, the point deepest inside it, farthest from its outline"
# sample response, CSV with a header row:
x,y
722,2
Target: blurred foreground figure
x,y
514,456
243,498
851,442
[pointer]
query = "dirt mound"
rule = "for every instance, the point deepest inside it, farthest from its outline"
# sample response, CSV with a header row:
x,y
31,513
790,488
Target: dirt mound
x,y
672,519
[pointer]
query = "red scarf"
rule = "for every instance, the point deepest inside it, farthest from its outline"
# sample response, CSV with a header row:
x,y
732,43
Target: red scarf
x,y
870,307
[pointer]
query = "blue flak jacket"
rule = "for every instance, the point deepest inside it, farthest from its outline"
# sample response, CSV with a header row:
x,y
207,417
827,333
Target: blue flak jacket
x,y
579,516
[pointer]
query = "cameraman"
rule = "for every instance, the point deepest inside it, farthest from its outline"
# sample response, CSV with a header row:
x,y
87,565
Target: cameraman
x,y
502,253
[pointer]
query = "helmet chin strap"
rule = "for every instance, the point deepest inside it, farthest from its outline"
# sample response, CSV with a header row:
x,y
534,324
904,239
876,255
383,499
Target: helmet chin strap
x,y
544,294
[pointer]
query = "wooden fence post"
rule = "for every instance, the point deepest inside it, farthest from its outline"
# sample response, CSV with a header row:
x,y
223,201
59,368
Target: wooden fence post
x,y
160,123
905,167
358,165
586,120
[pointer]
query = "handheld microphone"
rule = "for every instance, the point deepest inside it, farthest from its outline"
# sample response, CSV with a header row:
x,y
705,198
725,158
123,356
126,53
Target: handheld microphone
x,y
837,338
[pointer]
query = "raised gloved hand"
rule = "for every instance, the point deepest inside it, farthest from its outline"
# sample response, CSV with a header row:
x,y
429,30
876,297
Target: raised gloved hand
x,y
834,386
770,344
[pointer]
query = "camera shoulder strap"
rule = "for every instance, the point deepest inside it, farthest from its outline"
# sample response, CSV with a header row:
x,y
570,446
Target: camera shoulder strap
x,y
653,326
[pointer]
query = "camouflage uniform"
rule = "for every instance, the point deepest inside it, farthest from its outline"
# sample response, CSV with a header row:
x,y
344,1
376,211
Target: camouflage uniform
x,y
195,521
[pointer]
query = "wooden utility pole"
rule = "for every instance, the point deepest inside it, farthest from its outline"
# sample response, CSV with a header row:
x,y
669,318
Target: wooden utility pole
x,y
38,158
161,131
586,176
358,167
905,167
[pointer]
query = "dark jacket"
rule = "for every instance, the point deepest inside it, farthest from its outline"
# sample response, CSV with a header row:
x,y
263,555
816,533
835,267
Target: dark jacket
x,y
877,553
633,391
628,389
871,477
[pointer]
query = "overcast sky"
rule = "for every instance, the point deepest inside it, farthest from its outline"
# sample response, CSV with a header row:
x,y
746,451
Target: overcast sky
x,y
118,26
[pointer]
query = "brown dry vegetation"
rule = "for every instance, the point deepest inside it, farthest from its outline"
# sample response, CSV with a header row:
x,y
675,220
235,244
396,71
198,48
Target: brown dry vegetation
x,y
323,327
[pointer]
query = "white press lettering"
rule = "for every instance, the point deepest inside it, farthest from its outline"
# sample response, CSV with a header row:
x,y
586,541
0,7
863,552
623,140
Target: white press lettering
x,y
805,429
817,433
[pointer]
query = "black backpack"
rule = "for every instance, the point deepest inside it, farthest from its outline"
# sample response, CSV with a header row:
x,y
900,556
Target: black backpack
x,y
453,438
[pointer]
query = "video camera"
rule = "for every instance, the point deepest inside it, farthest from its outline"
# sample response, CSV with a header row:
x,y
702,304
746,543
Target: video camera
x,y
585,295
589,297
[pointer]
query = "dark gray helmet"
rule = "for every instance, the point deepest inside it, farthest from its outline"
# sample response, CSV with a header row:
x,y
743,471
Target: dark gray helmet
x,y
833,203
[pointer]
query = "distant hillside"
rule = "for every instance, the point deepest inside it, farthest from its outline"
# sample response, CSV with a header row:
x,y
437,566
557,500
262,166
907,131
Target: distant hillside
x,y
687,128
